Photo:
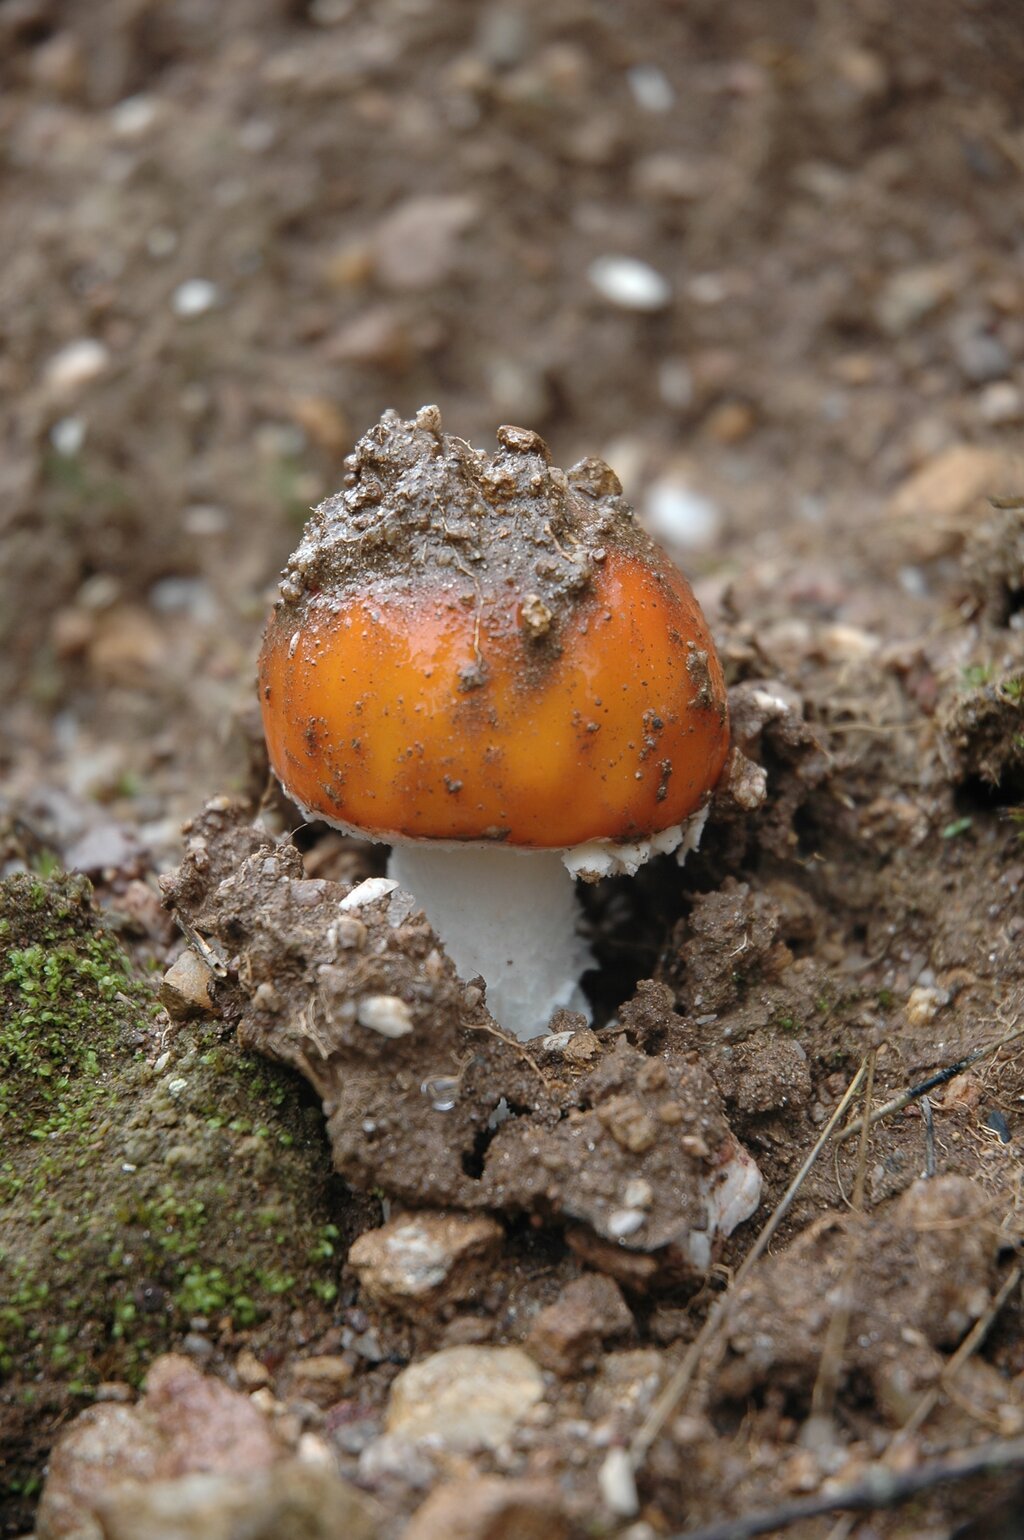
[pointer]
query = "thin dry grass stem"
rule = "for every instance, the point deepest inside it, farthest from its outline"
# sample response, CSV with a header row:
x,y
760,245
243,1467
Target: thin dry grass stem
x,y
914,1092
830,1366
717,1317
881,730
513,1043
975,1337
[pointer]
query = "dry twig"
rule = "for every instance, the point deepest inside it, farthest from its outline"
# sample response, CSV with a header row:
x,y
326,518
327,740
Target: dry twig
x,y
880,1488
830,1366
949,1073
975,1337
717,1317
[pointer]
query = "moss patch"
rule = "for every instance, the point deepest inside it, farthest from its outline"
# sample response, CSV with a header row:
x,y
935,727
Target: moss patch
x,y
139,1188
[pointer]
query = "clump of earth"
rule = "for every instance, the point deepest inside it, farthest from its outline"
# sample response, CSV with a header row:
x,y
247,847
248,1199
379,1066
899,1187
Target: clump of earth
x,y
270,1267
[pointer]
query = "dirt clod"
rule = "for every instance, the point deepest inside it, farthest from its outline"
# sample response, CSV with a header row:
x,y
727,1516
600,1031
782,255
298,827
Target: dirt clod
x,y
567,1336
415,1112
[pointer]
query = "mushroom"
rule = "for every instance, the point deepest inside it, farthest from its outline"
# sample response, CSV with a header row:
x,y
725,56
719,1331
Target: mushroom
x,y
486,663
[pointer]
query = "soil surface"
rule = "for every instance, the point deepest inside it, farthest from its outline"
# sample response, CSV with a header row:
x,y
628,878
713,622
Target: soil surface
x,y
291,1234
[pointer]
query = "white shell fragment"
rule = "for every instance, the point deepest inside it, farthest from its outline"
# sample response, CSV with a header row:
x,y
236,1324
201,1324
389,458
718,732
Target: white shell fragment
x,y
606,858
629,283
368,892
386,1014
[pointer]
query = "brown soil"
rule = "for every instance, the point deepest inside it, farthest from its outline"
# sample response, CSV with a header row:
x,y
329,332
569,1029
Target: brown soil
x,y
398,203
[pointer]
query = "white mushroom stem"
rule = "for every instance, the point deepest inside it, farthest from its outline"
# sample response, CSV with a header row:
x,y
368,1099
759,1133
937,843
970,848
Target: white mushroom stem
x,y
508,915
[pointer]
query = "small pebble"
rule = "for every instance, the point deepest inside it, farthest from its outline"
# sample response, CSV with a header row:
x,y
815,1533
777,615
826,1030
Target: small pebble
x,y
195,297
998,1125
923,1005
651,88
730,422
979,353
624,1222
1001,403
907,297
386,1014
638,1193
67,436
203,519
197,1347
161,242
675,384
678,515
76,365
185,990
629,283
131,118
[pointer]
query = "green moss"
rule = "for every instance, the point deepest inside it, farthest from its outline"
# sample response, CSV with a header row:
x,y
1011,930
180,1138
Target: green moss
x,y
138,1189
976,675
63,1005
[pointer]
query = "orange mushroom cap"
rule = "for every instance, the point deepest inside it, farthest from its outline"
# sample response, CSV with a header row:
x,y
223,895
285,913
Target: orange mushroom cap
x,y
480,649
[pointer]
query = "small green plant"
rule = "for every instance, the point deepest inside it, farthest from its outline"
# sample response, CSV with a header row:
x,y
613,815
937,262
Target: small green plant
x,y
976,675
959,826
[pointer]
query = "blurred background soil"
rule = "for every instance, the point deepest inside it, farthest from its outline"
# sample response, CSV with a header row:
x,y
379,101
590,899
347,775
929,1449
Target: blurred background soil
x,y
232,234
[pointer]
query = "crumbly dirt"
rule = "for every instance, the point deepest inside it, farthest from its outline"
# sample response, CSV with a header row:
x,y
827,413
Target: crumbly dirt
x,y
271,222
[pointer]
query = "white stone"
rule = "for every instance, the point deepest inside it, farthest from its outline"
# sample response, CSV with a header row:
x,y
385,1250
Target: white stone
x,y
651,88
625,1221
1001,403
203,519
638,1193
629,283
76,365
464,1399
923,1005
675,513
67,436
386,1014
131,118
195,297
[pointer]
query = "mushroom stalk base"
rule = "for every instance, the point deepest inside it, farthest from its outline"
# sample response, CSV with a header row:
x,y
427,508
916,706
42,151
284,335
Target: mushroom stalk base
x,y
509,916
